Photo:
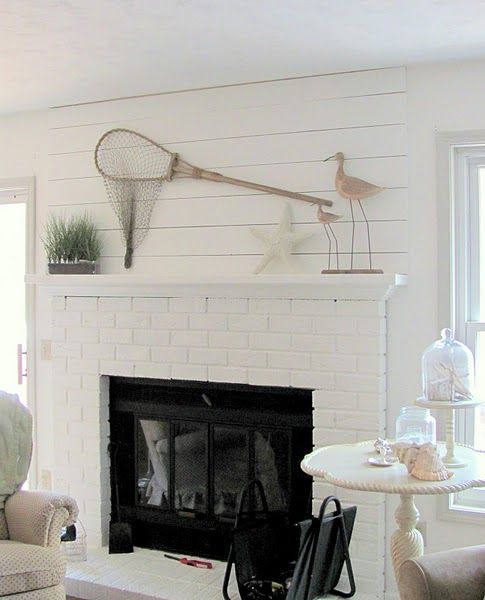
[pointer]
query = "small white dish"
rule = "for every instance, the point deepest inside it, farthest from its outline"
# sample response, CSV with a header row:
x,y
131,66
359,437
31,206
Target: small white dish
x,y
379,462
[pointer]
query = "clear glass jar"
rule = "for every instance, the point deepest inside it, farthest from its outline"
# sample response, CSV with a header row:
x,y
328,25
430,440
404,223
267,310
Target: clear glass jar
x,y
415,425
448,370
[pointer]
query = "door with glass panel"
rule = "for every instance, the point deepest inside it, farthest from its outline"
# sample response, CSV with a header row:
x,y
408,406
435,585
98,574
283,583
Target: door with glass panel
x,y
13,263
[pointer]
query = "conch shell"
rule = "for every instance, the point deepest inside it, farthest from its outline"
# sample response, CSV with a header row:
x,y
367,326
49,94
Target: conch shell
x,y
422,461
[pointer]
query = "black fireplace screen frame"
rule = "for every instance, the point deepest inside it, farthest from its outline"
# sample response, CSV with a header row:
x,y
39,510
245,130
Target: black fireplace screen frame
x,y
251,408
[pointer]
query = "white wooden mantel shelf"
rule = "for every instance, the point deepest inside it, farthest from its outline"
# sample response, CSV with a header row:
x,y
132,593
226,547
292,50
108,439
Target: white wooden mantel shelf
x,y
336,287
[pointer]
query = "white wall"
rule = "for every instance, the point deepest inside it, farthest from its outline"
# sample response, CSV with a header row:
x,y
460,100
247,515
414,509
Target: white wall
x,y
443,97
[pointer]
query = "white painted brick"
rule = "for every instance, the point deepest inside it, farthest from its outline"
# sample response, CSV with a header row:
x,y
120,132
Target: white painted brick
x,y
114,304
332,399
247,358
151,337
99,351
228,339
357,420
360,308
66,319
228,374
189,338
81,303
336,363
59,334
91,414
313,343
169,355
58,303
372,365
134,320
227,305
153,370
375,401
335,325
371,326
313,380
358,383
68,381
116,336
66,349
291,324
190,372
322,489
207,356
270,341
210,322
248,322
98,319
187,305
324,418
83,365
327,437
170,321
370,435
150,305
313,307
74,413
82,334
82,397
90,382
59,365
289,360
117,367
271,306
268,377
362,344
138,353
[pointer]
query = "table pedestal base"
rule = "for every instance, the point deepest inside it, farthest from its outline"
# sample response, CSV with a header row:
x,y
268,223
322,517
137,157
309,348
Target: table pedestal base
x,y
407,541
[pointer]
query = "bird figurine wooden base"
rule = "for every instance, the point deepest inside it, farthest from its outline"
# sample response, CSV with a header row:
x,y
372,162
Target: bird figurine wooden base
x,y
354,190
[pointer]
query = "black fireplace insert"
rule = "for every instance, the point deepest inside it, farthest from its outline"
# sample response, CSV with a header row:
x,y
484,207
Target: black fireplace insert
x,y
185,449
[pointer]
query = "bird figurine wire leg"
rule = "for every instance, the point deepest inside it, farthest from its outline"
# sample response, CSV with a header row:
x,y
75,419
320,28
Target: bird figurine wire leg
x,y
326,218
355,189
368,233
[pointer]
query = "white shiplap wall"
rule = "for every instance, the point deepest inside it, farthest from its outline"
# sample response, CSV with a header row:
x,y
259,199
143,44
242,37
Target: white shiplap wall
x,y
276,133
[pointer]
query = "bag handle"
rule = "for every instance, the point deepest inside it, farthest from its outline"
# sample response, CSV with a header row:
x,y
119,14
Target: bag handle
x,y
339,515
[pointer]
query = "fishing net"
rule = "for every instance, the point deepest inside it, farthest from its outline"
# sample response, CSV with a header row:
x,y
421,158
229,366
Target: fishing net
x,y
133,169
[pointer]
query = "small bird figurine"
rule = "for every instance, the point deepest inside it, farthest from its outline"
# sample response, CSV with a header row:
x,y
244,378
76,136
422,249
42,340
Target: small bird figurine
x,y
353,188
326,218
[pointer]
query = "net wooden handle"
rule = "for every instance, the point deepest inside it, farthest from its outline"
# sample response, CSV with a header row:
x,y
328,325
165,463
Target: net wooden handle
x,y
186,169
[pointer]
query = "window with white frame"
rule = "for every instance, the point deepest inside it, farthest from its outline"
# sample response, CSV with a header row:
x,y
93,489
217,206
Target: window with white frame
x,y
466,309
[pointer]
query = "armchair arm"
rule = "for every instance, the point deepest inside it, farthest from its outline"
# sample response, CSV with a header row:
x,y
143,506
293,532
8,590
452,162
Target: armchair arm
x,y
37,517
449,575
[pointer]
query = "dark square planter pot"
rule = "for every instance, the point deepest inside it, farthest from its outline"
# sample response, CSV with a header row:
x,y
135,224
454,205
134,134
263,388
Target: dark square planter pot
x,y
84,267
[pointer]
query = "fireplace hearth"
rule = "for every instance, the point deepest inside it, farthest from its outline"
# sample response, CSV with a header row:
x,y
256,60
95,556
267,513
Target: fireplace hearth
x,y
185,449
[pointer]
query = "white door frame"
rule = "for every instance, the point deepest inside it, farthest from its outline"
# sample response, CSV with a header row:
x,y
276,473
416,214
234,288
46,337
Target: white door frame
x,y
26,186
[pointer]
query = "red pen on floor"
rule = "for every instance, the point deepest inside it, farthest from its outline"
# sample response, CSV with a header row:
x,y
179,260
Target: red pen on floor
x,y
192,562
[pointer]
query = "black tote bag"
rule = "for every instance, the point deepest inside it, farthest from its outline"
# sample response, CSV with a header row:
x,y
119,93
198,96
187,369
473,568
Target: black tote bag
x,y
324,548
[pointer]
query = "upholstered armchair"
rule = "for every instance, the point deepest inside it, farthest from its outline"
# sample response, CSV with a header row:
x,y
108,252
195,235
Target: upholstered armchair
x,y
32,566
449,575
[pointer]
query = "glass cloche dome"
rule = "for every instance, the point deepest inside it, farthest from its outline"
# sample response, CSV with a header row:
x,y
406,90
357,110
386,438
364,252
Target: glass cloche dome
x,y
448,371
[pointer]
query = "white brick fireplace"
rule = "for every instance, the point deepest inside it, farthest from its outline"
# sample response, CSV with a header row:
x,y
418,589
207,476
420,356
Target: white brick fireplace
x,y
327,334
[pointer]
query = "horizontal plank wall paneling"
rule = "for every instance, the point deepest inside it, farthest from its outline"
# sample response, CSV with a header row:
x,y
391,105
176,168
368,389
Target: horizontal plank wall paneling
x,y
276,133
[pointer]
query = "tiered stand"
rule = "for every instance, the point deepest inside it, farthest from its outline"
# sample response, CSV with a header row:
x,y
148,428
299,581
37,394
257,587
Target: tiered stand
x,y
450,459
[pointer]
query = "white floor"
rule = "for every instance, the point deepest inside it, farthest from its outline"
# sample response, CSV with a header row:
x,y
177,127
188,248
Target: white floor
x,y
147,575
143,575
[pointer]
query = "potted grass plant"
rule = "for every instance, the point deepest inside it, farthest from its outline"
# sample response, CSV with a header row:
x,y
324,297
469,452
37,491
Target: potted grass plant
x,y
72,245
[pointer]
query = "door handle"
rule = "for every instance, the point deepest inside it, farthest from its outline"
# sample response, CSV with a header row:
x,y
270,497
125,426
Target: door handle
x,y
20,364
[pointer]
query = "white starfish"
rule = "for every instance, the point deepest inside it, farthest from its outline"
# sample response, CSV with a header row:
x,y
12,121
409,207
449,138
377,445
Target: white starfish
x,y
280,242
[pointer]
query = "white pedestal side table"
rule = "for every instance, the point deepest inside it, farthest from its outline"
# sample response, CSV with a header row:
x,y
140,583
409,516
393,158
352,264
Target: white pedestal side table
x,y
345,465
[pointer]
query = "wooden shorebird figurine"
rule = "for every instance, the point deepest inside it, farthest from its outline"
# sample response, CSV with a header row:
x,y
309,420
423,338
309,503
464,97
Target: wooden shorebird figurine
x,y
326,218
355,189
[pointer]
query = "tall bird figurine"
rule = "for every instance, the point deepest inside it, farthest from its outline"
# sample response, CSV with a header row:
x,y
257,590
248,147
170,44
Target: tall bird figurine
x,y
355,189
326,218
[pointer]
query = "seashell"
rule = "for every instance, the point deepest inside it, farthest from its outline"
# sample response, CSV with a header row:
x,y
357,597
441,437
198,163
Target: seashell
x,y
406,453
428,465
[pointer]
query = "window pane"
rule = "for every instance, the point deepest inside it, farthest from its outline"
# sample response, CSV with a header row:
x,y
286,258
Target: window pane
x,y
152,462
190,443
479,441
231,473
481,212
